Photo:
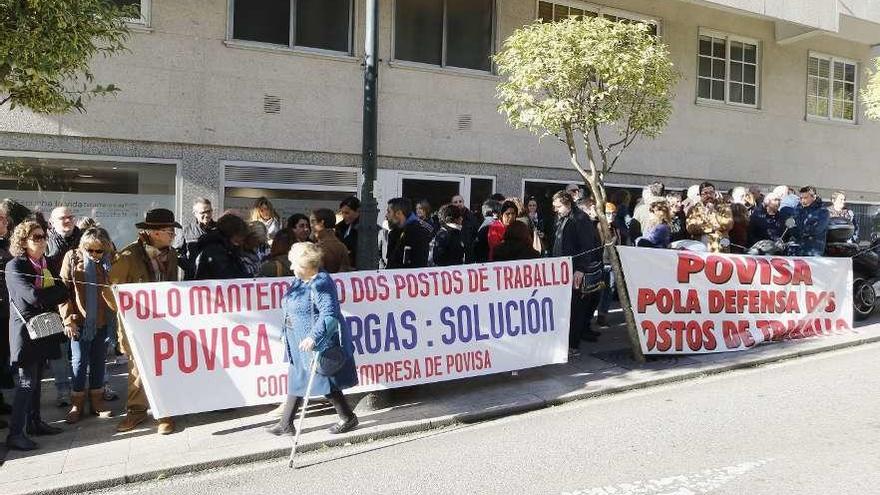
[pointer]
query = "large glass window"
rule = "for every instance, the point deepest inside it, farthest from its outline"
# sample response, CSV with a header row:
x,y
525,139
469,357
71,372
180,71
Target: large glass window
x,y
831,88
727,70
115,194
321,24
453,33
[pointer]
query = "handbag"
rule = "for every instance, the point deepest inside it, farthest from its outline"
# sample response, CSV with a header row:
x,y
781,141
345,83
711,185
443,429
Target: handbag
x,y
333,358
594,278
42,325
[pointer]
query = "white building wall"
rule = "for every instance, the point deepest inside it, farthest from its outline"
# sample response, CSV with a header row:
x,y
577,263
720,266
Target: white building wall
x,y
182,83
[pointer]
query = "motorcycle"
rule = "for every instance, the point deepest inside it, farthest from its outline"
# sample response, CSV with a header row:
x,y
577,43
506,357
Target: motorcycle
x,y
866,265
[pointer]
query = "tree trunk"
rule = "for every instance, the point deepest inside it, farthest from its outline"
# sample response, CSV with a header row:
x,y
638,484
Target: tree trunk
x,y
598,190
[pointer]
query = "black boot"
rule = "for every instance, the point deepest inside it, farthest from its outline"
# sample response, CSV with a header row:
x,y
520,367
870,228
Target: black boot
x,y
347,419
285,425
37,427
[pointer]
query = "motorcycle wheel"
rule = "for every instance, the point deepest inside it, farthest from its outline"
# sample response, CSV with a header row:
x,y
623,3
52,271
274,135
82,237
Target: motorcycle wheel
x,y
864,299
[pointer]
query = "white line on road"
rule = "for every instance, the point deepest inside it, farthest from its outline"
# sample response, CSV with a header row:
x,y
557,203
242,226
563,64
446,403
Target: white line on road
x,y
702,482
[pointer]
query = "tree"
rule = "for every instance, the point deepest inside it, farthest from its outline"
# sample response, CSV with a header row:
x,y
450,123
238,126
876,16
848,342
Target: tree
x,y
46,47
596,85
871,93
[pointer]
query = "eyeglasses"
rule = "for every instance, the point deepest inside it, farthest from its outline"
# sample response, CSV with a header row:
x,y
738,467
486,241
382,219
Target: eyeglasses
x,y
205,212
66,217
38,238
95,251
169,233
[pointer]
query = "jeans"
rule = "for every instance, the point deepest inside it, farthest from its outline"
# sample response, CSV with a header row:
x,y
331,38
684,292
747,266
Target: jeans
x,y
88,357
26,405
61,369
608,292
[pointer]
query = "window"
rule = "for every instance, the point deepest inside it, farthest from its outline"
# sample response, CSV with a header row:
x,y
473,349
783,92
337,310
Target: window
x,y
140,7
728,70
448,33
555,11
319,24
831,88
115,192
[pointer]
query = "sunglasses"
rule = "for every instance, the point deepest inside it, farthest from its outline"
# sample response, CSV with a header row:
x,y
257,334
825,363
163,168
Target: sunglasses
x,y
38,238
95,251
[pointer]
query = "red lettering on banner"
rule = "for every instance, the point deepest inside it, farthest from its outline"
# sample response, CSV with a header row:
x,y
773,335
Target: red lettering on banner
x,y
720,269
162,352
209,351
668,301
272,385
126,301
237,339
263,351
665,335
186,347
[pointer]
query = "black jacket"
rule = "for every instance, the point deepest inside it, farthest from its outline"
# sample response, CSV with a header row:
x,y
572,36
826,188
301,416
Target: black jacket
x,y
411,249
574,235
511,251
31,301
447,247
57,246
349,237
218,259
187,246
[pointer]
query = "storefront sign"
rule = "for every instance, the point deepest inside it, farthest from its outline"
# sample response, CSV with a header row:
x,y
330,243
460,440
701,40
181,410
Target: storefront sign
x,y
207,345
686,302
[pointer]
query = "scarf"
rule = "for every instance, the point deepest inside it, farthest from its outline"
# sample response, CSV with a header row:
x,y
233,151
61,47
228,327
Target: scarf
x,y
158,259
93,305
45,278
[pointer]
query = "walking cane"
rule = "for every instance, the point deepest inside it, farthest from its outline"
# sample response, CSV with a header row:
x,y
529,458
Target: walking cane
x,y
299,426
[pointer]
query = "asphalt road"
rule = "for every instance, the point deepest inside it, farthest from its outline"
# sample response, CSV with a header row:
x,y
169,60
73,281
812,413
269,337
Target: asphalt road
x,y
807,426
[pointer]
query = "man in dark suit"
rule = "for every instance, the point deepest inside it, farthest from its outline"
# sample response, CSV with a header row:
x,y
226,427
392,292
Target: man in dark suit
x,y
347,228
411,248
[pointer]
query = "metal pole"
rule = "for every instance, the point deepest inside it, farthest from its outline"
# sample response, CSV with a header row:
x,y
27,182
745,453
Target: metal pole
x,y
368,248
313,368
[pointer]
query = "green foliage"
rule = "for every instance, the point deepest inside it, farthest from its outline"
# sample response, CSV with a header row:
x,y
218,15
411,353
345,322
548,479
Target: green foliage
x,y
871,93
581,75
46,47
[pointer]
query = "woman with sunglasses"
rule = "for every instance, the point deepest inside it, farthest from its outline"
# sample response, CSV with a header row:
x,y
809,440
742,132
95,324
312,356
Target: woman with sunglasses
x,y
32,291
87,319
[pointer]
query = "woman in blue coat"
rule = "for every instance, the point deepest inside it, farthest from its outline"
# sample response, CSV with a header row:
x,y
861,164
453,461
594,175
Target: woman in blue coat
x,y
313,323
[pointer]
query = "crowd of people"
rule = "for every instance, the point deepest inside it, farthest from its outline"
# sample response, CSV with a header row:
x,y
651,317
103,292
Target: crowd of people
x,y
64,266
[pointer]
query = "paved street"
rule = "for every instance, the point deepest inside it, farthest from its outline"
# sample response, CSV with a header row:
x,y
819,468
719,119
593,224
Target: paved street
x,y
806,426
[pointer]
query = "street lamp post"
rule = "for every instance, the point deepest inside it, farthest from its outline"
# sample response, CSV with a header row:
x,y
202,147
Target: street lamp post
x,y
367,248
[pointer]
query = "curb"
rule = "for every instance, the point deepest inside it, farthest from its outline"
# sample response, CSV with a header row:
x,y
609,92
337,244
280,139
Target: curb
x,y
443,421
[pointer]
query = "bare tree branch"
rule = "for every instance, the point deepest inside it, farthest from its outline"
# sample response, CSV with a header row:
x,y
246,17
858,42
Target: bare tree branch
x,y
4,100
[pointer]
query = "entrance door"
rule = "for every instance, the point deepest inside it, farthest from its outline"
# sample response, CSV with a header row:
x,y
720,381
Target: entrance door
x,y
438,190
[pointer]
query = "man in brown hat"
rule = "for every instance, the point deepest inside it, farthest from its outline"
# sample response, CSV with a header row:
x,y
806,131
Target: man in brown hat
x,y
149,259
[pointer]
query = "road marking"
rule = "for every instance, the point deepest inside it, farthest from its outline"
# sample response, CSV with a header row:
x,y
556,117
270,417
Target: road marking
x,y
692,484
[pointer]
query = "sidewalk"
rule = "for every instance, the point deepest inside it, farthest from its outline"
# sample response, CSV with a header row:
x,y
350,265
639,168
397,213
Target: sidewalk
x,y
92,455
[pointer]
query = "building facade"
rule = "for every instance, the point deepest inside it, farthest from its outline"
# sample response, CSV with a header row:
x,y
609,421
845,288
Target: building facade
x,y
234,99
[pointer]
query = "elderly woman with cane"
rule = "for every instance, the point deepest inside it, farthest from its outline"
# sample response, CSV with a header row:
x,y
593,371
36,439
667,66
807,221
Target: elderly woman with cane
x,y
314,329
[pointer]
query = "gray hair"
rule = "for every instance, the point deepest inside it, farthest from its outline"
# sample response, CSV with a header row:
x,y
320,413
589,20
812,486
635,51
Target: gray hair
x,y
305,255
201,201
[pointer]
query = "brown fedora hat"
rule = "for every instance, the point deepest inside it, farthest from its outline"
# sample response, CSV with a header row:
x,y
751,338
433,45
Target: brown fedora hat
x,y
158,218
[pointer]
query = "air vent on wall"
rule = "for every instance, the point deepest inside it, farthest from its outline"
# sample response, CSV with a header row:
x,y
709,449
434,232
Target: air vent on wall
x,y
465,122
241,175
271,104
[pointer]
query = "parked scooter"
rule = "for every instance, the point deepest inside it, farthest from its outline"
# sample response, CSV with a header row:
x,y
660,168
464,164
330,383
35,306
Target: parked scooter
x,y
866,265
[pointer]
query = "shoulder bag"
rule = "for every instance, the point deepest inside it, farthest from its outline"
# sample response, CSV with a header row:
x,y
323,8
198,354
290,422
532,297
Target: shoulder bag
x,y
333,358
41,326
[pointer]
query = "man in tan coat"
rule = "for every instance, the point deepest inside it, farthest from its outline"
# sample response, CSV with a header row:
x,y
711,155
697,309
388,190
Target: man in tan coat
x,y
710,220
149,259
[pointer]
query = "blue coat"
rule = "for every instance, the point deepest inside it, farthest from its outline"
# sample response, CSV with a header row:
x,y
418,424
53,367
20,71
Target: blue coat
x,y
811,228
763,225
311,309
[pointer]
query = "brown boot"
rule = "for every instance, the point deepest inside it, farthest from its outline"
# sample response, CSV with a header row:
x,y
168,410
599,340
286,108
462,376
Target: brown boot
x,y
166,426
131,421
96,397
78,403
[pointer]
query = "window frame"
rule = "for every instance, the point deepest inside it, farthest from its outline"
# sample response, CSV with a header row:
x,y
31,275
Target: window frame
x,y
603,10
831,60
291,33
728,38
394,61
144,19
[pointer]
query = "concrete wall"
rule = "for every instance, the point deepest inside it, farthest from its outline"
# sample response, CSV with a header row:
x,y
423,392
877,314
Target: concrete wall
x,y
183,85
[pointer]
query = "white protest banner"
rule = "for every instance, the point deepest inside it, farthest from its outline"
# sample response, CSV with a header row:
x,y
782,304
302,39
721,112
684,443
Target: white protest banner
x,y
687,302
207,345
